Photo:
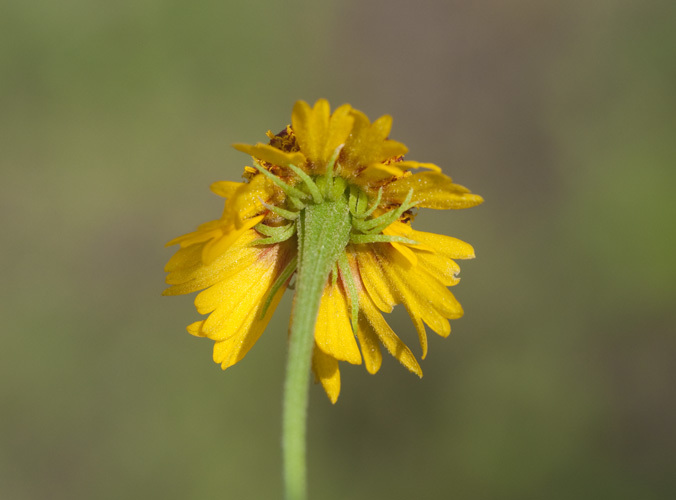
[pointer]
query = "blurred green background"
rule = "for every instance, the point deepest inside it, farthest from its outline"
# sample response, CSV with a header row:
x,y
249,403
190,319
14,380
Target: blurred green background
x,y
559,382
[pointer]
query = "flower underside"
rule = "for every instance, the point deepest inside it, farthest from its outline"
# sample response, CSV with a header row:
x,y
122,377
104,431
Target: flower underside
x,y
244,261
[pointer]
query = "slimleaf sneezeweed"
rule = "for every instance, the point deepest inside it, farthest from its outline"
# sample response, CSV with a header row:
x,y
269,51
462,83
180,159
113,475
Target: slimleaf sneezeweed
x,y
328,203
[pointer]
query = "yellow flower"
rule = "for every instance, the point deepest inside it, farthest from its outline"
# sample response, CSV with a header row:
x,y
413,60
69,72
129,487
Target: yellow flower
x,y
244,261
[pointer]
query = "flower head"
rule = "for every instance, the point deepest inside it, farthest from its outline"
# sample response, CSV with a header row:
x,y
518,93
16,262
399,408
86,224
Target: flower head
x,y
244,261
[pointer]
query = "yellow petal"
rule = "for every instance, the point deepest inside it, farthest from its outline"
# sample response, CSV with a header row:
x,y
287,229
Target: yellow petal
x,y
374,280
442,268
333,332
240,208
340,126
326,371
184,257
433,301
408,254
311,126
241,316
204,232
449,247
407,165
231,300
368,143
217,246
271,154
233,350
379,171
189,273
431,190
446,246
370,347
225,188
422,334
319,132
374,175
222,350
421,293
196,329
233,297
387,337
246,200
401,229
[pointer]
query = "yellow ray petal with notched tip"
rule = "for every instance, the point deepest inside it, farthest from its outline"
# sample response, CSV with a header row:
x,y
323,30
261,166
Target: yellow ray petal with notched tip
x,y
442,268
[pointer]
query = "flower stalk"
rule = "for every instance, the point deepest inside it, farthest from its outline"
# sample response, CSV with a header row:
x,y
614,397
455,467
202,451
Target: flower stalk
x,y
323,233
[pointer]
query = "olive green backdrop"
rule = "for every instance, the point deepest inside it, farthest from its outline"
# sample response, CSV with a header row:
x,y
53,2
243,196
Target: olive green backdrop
x,y
116,116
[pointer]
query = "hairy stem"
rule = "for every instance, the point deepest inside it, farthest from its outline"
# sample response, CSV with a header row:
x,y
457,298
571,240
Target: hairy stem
x,y
323,233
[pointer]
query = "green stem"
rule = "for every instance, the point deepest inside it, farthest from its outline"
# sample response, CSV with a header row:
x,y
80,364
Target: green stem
x,y
323,233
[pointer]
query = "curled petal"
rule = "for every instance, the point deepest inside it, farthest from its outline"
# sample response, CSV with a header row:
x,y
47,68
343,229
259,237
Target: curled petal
x,y
271,154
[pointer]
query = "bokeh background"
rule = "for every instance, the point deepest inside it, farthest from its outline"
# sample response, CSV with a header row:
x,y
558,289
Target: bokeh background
x,y
559,382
